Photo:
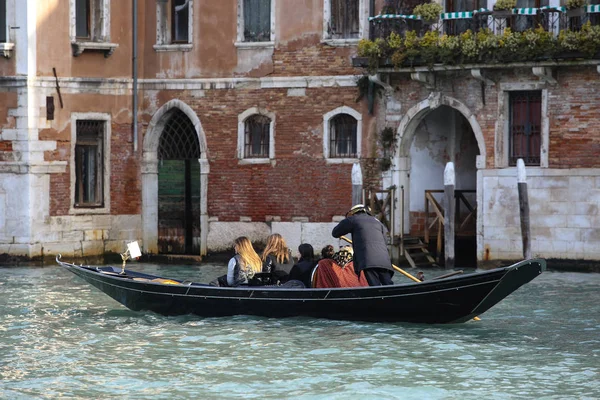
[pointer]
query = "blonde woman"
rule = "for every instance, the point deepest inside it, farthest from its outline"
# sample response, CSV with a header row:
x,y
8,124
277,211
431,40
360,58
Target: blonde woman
x,y
243,265
277,258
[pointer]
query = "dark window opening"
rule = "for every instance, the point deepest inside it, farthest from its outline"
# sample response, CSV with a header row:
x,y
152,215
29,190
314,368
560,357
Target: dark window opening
x,y
179,140
82,19
180,12
3,33
525,127
458,26
257,133
342,141
89,165
257,20
344,19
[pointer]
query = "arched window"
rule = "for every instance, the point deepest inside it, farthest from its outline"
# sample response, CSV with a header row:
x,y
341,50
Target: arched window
x,y
342,129
256,127
256,136
342,136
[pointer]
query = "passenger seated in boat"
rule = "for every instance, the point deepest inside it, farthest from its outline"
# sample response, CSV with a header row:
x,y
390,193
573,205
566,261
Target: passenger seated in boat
x,y
241,267
338,271
327,251
302,270
277,259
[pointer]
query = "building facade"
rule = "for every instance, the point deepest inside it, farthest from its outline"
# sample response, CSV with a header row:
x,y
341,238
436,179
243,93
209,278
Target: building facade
x,y
186,123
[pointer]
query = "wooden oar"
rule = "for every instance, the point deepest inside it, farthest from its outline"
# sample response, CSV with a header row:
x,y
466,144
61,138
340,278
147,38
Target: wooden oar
x,y
403,272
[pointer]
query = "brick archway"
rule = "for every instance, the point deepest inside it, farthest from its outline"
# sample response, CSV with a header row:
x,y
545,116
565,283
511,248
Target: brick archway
x,y
150,175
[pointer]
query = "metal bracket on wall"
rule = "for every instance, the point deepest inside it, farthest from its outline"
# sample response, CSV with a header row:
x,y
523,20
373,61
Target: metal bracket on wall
x,y
545,74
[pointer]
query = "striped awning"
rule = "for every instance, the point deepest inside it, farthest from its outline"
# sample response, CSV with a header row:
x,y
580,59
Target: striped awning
x,y
393,16
561,9
525,11
457,15
481,10
594,8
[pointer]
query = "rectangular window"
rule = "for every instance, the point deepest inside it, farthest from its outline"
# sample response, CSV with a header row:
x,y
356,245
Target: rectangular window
x,y
257,20
257,137
82,19
525,127
344,19
3,32
89,166
343,137
180,13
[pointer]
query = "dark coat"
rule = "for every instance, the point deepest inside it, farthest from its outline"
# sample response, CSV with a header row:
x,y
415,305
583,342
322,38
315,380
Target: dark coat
x,y
302,271
369,237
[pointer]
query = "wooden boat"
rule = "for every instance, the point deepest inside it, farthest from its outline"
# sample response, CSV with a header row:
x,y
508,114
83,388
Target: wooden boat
x,y
454,299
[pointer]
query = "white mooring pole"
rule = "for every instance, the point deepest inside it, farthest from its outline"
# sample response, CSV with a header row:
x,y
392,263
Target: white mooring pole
x,y
357,181
524,208
449,209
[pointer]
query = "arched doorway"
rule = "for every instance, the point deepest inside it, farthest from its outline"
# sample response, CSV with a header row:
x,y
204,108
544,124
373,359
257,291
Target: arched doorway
x,y
178,186
432,133
174,182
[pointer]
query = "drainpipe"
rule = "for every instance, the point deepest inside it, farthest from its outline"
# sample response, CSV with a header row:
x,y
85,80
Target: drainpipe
x,y
135,75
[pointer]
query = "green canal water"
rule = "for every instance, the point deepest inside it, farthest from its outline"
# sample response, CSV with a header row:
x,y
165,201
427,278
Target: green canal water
x,y
61,338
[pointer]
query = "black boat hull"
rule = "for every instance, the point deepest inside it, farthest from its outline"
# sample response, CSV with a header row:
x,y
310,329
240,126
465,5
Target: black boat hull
x,y
449,300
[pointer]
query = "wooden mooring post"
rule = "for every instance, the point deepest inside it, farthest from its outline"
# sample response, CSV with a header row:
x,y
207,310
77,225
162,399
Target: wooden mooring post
x,y
524,208
449,210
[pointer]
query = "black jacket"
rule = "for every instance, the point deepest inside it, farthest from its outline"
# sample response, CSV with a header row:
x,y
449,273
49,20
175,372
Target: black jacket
x,y
302,271
369,237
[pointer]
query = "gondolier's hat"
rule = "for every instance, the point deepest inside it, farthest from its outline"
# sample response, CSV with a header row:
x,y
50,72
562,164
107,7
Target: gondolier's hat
x,y
358,209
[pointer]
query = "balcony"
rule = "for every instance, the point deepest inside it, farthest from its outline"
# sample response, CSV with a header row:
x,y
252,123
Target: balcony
x,y
482,37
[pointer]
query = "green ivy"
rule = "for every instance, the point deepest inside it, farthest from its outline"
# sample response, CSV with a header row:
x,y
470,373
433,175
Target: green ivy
x,y
481,47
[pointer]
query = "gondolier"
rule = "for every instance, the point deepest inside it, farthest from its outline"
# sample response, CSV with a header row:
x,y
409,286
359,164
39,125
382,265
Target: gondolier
x,y
369,242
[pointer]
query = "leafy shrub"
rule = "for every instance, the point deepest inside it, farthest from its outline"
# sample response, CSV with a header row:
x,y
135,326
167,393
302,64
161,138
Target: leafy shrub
x,y
428,11
503,5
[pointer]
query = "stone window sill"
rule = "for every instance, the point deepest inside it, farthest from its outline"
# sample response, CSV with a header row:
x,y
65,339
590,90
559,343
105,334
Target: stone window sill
x,y
252,161
7,49
173,47
105,47
341,160
254,45
341,42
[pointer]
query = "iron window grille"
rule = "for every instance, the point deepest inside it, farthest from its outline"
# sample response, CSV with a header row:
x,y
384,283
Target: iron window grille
x,y
525,127
89,165
179,140
256,138
257,20
342,141
180,12
344,22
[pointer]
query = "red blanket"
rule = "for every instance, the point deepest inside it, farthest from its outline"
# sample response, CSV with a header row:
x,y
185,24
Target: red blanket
x,y
330,275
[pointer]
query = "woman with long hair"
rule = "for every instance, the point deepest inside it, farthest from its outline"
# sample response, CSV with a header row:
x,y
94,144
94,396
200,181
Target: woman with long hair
x,y
277,258
242,266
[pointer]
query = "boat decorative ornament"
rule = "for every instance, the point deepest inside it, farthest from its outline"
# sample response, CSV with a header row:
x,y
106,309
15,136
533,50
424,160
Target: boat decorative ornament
x,y
133,251
444,299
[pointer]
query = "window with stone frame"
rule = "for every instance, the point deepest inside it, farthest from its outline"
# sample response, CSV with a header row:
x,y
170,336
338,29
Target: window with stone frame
x,y
3,27
257,136
89,163
344,22
343,136
174,25
256,20
525,126
89,20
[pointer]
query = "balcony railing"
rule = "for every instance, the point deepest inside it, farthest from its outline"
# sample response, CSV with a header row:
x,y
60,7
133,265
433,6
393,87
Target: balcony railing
x,y
552,19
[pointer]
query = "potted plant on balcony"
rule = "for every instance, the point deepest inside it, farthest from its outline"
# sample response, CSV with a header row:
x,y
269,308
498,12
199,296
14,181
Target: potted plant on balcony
x,y
503,8
575,8
429,12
